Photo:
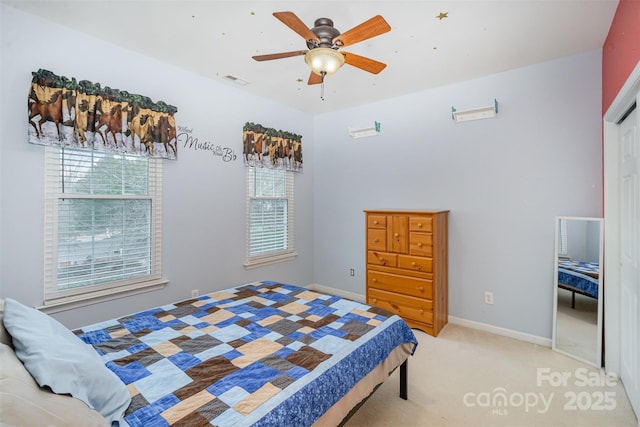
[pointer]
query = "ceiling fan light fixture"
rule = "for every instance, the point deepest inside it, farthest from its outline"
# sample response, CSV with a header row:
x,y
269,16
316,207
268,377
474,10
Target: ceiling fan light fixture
x,y
324,61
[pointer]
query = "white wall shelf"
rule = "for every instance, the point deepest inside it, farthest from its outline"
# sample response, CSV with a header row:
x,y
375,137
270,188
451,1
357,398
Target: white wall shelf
x,y
364,132
476,113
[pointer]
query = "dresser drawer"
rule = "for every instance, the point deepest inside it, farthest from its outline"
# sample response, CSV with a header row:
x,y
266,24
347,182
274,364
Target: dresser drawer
x,y
376,221
382,258
417,309
415,263
377,239
421,244
418,287
420,223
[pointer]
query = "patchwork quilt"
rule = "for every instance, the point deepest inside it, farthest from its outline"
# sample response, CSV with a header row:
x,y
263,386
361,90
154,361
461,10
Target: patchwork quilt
x,y
580,275
264,354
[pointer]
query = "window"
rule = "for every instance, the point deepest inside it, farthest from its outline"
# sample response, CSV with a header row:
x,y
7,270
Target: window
x,y
270,206
562,237
102,224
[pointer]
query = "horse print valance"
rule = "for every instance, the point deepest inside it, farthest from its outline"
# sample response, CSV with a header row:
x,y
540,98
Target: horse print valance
x,y
67,113
274,149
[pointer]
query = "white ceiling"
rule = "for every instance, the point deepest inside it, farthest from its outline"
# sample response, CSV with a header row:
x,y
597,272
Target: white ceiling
x,y
218,38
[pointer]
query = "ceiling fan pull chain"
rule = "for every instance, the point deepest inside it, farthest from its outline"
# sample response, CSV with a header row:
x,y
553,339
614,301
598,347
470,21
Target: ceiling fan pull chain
x,y
322,85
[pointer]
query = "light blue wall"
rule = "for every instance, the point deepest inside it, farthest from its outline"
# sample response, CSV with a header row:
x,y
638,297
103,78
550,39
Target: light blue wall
x,y
204,197
504,180
583,240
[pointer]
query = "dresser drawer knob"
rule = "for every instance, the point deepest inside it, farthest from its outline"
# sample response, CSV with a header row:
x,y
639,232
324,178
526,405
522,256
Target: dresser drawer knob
x,y
421,311
375,240
395,234
421,289
375,222
374,280
419,225
419,245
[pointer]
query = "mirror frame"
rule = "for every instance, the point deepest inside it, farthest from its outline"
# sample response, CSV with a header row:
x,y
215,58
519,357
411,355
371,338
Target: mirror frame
x,y
598,362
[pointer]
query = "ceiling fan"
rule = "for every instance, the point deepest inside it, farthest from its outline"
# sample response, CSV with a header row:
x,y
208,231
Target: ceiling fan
x,y
324,40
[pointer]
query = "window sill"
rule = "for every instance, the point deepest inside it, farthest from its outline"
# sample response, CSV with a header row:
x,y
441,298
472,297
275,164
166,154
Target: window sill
x,y
261,262
68,303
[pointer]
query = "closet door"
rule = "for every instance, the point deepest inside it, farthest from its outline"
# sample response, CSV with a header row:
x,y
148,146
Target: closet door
x,y
629,257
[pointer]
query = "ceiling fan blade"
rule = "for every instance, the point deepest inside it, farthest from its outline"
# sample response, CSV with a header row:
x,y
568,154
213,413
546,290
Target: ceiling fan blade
x,y
364,63
371,28
280,55
314,79
292,21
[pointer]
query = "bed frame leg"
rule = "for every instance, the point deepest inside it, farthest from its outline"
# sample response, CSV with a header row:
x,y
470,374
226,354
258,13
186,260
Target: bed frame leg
x,y
403,379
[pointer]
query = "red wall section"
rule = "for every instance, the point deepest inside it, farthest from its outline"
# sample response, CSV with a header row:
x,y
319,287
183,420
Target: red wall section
x,y
621,50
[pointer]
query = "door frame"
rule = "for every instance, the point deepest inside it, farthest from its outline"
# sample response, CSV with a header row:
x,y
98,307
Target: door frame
x,y
620,105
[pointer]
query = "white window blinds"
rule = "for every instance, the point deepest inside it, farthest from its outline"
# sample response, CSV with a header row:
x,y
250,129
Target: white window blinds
x,y
270,212
103,222
562,237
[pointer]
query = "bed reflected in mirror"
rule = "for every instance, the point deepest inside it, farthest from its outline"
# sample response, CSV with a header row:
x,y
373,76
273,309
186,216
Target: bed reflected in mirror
x,y
577,320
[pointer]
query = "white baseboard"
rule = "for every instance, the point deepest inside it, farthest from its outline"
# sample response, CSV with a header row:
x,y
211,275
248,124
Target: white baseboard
x,y
338,292
522,336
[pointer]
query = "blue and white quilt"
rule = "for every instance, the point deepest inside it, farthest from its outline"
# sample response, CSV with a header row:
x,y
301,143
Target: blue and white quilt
x,y
582,276
264,354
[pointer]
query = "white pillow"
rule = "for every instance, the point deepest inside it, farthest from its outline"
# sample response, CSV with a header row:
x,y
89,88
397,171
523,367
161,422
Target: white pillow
x,y
57,358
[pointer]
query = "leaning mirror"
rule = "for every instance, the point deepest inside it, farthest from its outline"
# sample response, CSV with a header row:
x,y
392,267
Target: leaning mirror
x,y
577,310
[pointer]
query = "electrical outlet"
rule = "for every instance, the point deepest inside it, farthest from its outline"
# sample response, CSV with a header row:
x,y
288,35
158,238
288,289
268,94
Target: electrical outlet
x,y
195,292
488,297
352,272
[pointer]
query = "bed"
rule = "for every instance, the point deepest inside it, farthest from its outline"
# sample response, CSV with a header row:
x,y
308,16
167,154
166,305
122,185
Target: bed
x,y
578,277
263,354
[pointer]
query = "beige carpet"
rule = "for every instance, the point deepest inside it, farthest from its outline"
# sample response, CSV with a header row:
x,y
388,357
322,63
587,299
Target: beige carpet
x,y
466,377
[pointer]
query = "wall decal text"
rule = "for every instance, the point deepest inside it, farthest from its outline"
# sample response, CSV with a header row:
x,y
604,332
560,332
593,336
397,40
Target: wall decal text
x,y
188,140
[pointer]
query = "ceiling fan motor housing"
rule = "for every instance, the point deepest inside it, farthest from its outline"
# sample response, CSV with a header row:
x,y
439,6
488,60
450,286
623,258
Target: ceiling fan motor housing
x,y
325,31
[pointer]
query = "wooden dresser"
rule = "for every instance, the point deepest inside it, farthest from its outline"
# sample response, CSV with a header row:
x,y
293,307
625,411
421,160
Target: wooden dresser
x,y
407,265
